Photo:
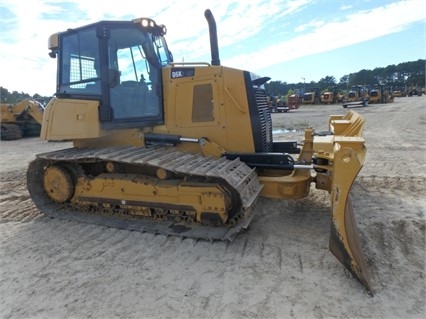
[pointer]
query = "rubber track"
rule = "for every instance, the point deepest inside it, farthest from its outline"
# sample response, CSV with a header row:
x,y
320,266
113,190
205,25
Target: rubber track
x,y
235,173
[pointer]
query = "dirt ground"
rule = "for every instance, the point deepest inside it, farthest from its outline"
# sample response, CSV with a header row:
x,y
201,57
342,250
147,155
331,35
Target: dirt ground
x,y
279,268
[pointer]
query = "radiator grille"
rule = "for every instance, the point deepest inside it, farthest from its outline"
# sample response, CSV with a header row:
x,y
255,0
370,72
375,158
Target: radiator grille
x,y
265,119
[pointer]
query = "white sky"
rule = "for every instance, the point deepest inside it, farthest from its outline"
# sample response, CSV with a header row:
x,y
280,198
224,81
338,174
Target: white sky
x,y
285,40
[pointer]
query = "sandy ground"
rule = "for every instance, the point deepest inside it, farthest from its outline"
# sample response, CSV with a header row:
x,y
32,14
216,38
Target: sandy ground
x,y
279,268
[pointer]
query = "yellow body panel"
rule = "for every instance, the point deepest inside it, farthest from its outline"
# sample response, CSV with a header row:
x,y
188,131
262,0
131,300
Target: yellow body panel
x,y
228,125
78,120
71,119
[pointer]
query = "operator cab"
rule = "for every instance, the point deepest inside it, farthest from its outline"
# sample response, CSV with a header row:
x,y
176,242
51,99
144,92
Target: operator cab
x,y
118,63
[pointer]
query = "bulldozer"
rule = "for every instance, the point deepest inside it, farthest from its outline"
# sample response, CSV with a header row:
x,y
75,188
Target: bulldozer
x,y
312,96
330,96
354,94
180,148
22,119
379,94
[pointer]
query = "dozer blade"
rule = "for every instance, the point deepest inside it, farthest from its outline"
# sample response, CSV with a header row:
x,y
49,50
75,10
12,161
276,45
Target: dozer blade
x,y
344,239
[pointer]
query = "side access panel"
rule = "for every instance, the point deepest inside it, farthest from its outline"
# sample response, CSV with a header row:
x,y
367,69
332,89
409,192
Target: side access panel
x,y
66,119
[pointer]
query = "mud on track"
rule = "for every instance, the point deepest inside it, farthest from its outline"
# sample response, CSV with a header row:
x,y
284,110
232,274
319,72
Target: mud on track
x,y
279,268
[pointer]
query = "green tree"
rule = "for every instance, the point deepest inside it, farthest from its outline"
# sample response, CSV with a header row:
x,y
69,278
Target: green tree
x,y
327,82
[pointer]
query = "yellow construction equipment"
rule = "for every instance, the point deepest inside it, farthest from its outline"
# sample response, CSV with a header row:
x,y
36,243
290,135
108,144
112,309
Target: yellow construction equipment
x,y
380,95
312,96
21,119
179,148
330,96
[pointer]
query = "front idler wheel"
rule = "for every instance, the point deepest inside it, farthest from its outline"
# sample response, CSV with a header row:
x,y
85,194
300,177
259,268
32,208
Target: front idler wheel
x,y
58,184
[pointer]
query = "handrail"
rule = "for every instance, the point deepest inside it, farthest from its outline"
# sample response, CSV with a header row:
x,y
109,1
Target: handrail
x,y
189,63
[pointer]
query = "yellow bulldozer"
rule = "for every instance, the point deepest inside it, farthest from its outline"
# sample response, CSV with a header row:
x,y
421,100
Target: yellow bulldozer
x,y
381,95
330,96
22,119
312,96
179,148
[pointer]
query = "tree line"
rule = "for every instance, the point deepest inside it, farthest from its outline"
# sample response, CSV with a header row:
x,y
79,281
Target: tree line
x,y
401,77
15,96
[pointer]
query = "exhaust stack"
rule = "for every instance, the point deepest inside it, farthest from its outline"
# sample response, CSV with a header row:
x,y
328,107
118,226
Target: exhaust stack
x,y
214,46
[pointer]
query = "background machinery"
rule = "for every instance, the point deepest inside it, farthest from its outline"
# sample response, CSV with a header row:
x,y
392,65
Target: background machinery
x,y
330,96
381,95
375,95
357,93
354,94
327,97
277,104
293,101
312,96
181,149
415,91
22,119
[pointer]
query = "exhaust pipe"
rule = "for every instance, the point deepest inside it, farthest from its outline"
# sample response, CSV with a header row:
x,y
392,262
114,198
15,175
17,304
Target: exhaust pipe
x,y
214,46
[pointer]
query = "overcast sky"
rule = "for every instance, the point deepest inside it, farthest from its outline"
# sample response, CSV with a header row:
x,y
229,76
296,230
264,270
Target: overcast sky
x,y
286,40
